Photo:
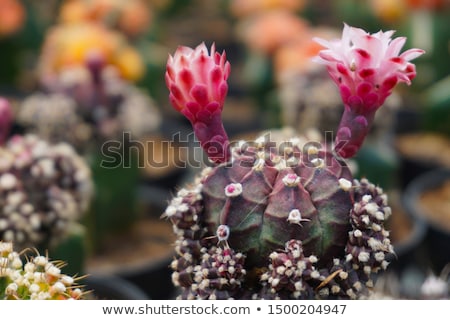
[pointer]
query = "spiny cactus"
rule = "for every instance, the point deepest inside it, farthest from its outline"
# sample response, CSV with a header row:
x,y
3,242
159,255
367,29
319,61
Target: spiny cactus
x,y
44,188
272,221
54,118
93,105
34,278
290,227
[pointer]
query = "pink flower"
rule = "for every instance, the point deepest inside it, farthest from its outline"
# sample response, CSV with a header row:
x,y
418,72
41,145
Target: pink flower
x,y
366,68
197,81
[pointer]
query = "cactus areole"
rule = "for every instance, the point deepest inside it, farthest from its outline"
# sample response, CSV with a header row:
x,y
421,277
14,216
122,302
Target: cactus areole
x,y
269,221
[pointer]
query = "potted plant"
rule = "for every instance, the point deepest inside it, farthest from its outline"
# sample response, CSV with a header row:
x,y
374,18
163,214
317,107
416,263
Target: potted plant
x,y
291,222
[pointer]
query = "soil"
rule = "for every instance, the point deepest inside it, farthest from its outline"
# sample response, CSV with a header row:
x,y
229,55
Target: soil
x,y
149,240
436,205
426,147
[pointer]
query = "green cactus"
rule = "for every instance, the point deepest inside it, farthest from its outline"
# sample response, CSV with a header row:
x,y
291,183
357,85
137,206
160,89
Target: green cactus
x,y
34,278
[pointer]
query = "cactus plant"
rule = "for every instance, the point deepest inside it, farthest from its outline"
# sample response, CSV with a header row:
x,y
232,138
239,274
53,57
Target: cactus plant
x,y
284,221
35,278
270,221
90,101
44,189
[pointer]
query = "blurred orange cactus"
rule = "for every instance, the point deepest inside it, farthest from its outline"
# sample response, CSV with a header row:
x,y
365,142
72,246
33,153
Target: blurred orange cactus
x,y
12,16
71,45
296,57
241,8
267,31
132,17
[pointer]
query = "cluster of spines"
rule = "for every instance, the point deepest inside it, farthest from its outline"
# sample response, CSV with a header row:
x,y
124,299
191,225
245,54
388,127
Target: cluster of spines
x,y
369,247
219,275
36,279
185,212
291,275
53,117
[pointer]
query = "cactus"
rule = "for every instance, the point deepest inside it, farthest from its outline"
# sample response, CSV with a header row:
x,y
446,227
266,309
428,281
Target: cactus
x,y
44,189
34,278
268,221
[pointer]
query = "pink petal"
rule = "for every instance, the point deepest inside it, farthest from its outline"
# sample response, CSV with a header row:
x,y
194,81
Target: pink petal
x,y
213,107
363,59
366,73
363,89
223,90
200,93
341,68
411,54
175,102
395,46
201,66
324,43
371,100
185,79
226,70
345,92
216,76
193,107
176,92
389,83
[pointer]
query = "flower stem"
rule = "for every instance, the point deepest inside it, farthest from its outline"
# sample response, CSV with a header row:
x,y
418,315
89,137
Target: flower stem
x,y
352,131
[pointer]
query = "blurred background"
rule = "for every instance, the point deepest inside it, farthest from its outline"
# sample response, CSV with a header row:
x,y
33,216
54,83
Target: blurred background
x,y
90,73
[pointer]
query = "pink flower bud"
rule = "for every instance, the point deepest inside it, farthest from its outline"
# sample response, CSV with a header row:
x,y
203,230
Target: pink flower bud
x,y
197,81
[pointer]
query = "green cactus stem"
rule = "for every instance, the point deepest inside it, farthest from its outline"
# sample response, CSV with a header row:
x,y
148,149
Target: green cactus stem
x,y
34,277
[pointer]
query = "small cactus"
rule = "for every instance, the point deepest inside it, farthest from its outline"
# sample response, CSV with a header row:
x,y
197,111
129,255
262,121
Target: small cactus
x,y
90,103
34,278
54,118
269,221
44,188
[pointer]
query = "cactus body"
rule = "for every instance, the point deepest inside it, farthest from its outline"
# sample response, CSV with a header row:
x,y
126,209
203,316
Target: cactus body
x,y
34,277
258,217
294,220
44,189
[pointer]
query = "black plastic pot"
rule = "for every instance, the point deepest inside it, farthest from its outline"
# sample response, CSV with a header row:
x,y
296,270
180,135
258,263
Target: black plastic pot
x,y
110,287
437,238
411,250
153,278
